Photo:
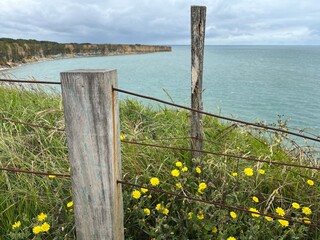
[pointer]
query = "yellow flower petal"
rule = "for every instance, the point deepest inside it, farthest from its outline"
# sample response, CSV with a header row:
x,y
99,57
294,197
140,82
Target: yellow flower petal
x,y
42,217
37,229
255,199
295,205
233,215
154,181
310,182
284,223
175,173
45,227
248,172
198,170
70,204
178,164
136,194
280,211
16,225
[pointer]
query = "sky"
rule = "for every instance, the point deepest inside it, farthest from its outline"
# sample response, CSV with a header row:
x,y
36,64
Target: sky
x,y
228,22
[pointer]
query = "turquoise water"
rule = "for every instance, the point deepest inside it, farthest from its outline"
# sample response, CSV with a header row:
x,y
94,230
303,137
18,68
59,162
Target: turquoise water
x,y
247,82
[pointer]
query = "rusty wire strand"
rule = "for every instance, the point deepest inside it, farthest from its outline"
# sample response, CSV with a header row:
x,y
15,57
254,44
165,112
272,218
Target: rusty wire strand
x,y
17,170
217,116
216,203
31,124
221,154
29,81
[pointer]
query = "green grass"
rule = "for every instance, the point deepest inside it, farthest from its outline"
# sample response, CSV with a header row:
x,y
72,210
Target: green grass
x,y
23,196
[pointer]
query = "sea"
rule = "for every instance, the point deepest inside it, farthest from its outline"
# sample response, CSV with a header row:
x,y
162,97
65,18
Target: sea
x,y
251,83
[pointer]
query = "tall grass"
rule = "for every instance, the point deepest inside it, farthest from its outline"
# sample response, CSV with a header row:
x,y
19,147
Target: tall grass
x,y
23,196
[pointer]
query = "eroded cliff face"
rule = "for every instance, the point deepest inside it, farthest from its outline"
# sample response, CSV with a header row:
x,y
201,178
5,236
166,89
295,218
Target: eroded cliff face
x,y
14,52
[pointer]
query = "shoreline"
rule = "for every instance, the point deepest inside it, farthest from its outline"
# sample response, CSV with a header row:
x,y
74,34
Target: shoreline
x,y
16,53
67,56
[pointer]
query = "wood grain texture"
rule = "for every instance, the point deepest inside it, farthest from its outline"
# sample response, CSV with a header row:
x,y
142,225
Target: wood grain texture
x,y
93,136
198,22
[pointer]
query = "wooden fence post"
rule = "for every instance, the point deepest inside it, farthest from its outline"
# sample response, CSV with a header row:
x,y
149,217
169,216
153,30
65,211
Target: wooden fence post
x,y
92,126
198,23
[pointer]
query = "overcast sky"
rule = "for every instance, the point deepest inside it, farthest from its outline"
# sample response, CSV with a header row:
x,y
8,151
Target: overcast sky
x,y
161,21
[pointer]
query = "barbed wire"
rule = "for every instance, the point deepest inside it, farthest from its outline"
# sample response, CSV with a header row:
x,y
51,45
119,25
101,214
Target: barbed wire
x,y
216,203
221,154
29,81
17,170
31,124
259,125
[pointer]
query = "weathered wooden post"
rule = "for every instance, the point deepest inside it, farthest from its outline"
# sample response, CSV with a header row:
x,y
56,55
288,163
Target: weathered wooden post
x,y
92,125
198,23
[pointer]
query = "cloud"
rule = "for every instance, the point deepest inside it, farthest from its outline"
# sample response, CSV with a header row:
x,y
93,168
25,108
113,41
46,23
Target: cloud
x,y
161,22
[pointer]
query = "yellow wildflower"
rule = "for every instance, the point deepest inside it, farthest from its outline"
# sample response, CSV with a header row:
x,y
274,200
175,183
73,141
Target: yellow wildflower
x,y
144,190
178,185
16,225
248,171
234,174
202,186
310,182
269,219
122,137
284,223
231,238
45,227
295,205
165,211
214,230
255,199
146,211
306,210
184,169
190,214
255,214
306,220
136,194
154,181
280,211
233,215
261,171
175,173
37,229
200,215
178,164
51,176
149,196
70,204
158,206
42,217
198,170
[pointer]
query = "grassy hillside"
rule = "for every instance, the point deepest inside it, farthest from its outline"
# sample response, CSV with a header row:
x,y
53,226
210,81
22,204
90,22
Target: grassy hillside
x,y
269,189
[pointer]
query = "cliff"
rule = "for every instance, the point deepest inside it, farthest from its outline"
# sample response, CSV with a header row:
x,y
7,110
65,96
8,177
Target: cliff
x,y
14,52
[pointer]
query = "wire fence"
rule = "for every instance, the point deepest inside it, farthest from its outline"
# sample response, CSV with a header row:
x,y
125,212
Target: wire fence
x,y
140,142
17,170
317,139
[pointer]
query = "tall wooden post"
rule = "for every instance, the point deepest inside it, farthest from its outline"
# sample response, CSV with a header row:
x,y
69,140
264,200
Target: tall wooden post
x,y
198,23
92,125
